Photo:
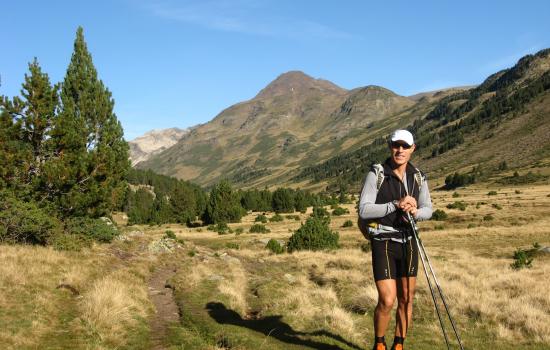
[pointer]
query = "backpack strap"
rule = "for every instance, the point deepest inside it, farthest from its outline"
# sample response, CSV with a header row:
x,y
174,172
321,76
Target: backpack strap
x,y
379,172
419,178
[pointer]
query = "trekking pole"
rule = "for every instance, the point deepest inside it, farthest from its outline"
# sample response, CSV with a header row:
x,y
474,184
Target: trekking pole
x,y
423,254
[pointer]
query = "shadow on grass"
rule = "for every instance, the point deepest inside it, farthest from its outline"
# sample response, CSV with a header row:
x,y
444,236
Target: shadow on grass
x,y
273,326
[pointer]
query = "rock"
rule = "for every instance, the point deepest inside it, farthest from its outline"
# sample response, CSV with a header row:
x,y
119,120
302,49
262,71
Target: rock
x,y
229,258
106,220
544,250
215,277
264,240
122,238
135,233
163,245
290,278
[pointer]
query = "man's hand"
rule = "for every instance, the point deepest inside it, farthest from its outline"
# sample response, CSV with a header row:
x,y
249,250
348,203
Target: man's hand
x,y
408,205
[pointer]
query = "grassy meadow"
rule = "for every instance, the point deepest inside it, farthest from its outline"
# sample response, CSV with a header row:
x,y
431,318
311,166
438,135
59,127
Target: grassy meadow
x,y
233,293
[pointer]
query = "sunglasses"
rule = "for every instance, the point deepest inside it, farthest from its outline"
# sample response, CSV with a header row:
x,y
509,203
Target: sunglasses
x,y
396,145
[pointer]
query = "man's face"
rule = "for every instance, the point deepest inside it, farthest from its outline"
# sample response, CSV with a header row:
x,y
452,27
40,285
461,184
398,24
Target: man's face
x,y
401,152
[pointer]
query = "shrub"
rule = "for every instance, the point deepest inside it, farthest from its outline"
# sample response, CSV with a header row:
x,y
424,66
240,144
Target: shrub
x,y
221,228
276,218
517,191
522,259
439,215
261,218
340,211
258,228
321,213
488,217
348,223
457,205
239,230
315,234
96,229
275,246
69,242
456,195
232,245
170,234
497,206
492,193
293,217
25,222
439,227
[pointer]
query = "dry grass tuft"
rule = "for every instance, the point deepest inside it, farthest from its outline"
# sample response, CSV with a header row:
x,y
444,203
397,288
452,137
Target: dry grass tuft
x,y
113,305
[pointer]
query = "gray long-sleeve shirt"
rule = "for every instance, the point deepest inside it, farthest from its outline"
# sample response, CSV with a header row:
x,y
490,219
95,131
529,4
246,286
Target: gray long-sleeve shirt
x,y
369,210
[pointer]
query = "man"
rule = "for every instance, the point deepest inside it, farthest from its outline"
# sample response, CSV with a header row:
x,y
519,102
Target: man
x,y
392,190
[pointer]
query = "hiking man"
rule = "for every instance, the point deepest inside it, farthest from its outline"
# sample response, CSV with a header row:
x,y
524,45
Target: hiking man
x,y
390,191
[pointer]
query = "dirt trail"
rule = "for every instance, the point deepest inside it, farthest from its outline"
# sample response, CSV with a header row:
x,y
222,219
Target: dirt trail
x,y
166,310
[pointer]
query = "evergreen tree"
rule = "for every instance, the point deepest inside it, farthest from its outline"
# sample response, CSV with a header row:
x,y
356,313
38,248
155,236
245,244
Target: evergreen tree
x,y
91,156
40,101
25,124
283,200
223,205
300,201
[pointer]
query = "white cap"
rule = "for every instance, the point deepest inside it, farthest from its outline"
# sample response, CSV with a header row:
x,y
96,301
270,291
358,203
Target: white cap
x,y
402,135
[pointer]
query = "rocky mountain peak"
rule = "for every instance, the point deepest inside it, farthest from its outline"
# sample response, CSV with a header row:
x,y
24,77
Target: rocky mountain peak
x,y
294,82
153,142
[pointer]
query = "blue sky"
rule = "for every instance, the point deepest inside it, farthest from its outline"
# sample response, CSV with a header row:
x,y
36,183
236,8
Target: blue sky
x,y
179,63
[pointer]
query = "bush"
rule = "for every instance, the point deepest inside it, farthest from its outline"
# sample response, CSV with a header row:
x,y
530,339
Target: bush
x,y
439,215
348,223
258,228
261,218
321,213
293,217
340,211
439,227
232,245
96,229
69,242
522,259
497,206
25,222
492,193
221,228
456,195
275,246
457,205
276,218
239,230
488,217
170,234
315,234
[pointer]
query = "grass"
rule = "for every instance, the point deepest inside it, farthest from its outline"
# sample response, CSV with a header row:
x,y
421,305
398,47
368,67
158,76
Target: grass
x,y
234,293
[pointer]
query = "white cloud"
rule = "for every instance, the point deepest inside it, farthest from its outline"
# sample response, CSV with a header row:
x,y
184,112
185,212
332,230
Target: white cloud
x,y
241,16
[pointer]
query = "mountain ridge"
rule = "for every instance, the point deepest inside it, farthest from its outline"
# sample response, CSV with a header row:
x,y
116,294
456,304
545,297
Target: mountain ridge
x,y
292,124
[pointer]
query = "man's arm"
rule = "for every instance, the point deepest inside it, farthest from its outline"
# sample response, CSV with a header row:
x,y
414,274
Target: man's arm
x,y
424,211
367,207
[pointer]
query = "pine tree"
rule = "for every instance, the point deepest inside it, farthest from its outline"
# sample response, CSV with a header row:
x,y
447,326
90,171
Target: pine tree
x,y
87,177
223,205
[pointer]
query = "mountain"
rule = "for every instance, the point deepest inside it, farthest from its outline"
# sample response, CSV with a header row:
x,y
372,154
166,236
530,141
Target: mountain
x,y
305,132
294,120
153,142
501,124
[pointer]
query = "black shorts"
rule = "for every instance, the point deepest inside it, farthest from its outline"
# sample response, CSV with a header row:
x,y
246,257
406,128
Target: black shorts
x,y
392,260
